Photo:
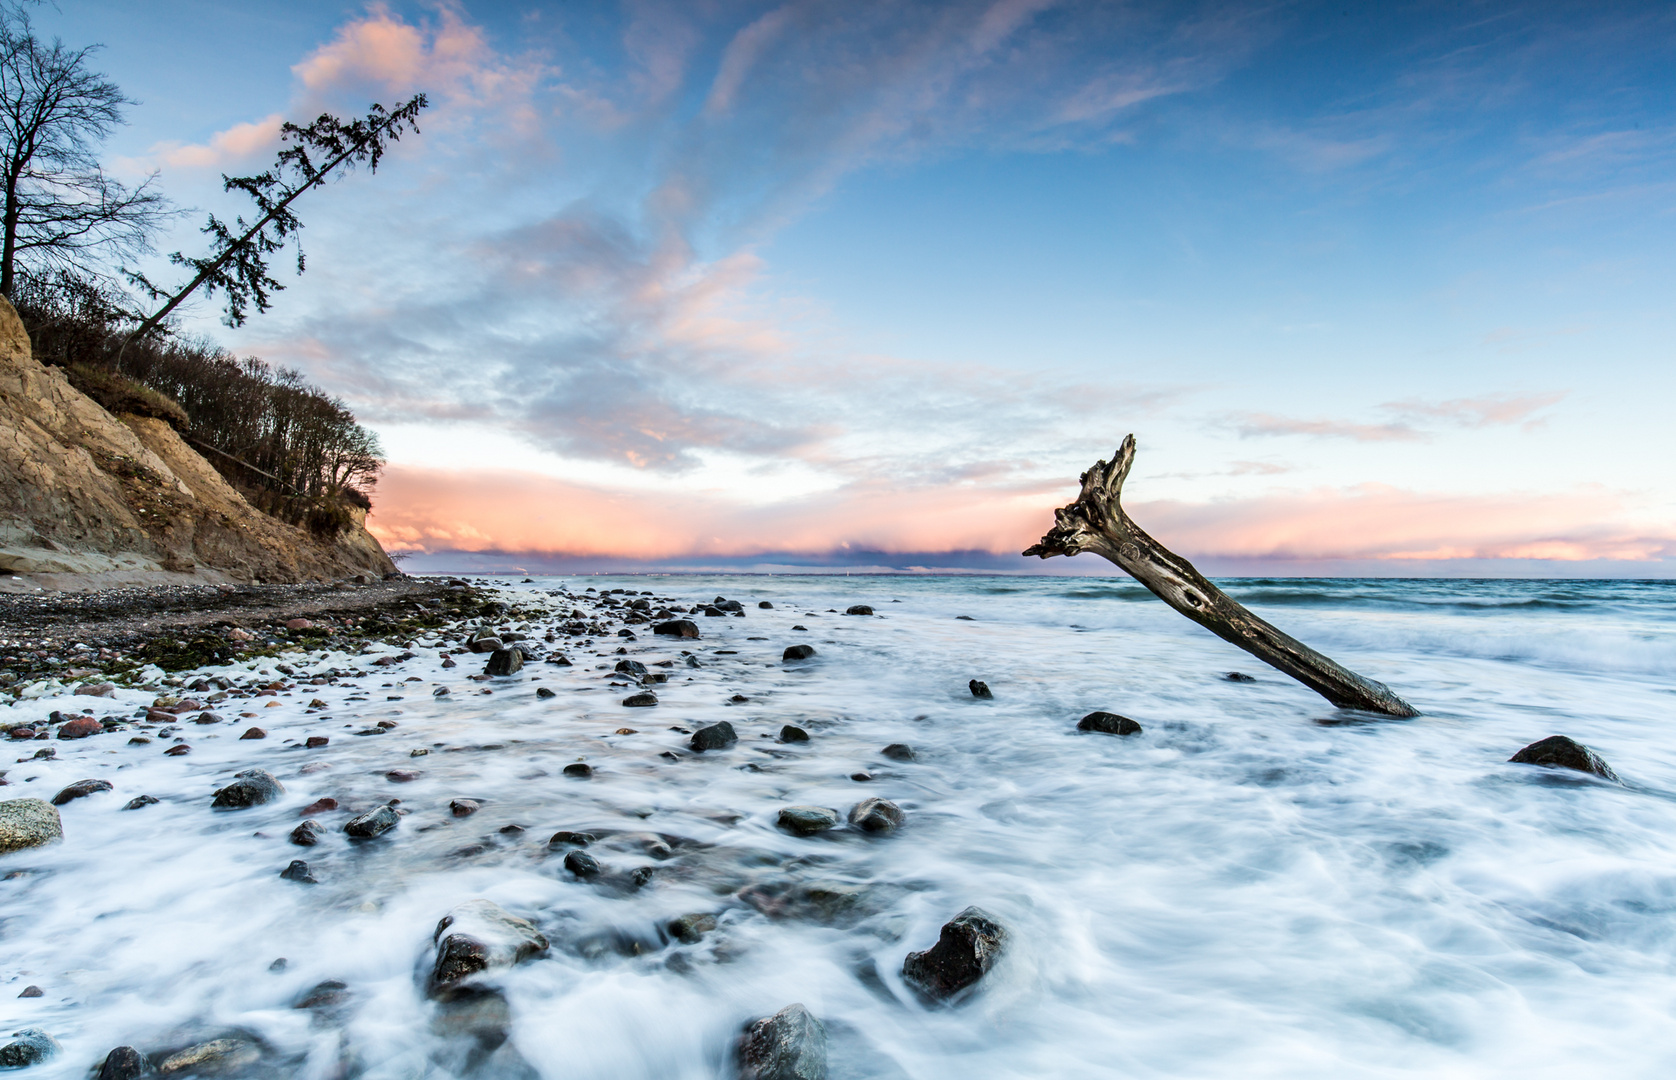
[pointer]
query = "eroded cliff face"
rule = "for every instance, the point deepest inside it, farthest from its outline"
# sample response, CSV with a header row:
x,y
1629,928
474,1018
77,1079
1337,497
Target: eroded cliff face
x,y
89,499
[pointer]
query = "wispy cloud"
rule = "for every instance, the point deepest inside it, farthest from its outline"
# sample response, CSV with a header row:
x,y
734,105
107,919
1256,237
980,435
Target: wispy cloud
x,y
1413,420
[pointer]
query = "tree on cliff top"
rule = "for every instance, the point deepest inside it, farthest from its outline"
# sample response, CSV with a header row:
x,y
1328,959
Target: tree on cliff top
x,y
57,206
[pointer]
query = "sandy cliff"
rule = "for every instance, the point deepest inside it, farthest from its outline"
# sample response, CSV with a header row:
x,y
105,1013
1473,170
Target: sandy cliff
x,y
88,498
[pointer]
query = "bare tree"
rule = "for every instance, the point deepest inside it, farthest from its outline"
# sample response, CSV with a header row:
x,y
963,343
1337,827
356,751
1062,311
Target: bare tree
x,y
58,205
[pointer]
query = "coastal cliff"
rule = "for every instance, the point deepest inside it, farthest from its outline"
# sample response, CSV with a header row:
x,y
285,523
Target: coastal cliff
x,y
90,499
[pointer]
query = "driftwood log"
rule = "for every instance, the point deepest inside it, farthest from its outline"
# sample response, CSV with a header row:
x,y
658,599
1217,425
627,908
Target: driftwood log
x,y
1097,522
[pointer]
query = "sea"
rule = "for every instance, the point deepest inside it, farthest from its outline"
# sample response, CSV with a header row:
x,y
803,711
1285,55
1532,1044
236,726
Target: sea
x,y
1256,884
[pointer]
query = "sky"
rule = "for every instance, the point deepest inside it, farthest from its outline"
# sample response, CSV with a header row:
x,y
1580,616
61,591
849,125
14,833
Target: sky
x,y
1379,288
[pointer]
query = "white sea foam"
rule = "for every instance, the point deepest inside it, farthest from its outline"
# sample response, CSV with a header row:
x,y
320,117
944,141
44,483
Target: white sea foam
x,y
1242,890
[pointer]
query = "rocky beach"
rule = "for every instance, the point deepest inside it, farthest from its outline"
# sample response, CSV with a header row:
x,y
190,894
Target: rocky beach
x,y
782,827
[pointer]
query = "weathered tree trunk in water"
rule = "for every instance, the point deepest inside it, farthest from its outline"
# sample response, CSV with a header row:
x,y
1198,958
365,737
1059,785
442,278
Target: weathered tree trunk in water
x,y
1096,522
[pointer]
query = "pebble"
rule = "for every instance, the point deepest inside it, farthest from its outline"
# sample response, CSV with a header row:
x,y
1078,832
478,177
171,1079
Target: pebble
x,y
319,806
858,609
32,991
180,750
544,693
690,929
402,776
679,628
582,864
1237,676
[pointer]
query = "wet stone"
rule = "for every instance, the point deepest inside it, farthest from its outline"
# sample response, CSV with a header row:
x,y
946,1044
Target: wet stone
x,y
1106,723
980,690
298,871
215,1056
80,728
797,652
790,1045
678,628
578,770
319,806
464,807
32,992
479,936
791,733
324,995
898,752
27,823
642,700
966,949
1560,752
765,605
308,834
1238,676
877,816
858,609
690,929
315,742
28,1046
544,693
631,667
807,820
123,1063
206,718
80,789
372,823
252,787
140,800
177,751
582,864
504,662
717,736
577,839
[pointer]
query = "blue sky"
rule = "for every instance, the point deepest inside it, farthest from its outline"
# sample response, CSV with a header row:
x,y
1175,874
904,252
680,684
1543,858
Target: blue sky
x,y
1379,288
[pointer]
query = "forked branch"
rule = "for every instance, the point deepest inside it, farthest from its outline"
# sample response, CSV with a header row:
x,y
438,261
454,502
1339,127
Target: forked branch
x,y
1097,522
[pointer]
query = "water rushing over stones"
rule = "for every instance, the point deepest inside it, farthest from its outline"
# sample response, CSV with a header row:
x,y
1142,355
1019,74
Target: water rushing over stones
x,y
1255,883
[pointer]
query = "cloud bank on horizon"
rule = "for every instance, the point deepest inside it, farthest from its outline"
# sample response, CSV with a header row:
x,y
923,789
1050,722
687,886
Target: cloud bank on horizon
x,y
664,281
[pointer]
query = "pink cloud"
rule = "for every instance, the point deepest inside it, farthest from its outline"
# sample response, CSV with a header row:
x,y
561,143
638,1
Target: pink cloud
x,y
1250,424
237,142
476,511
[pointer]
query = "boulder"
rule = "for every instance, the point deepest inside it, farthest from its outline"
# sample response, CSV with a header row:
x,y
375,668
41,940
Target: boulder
x,y
579,770
464,807
898,752
30,1046
797,652
643,700
793,733
80,728
1559,752
690,929
480,936
372,823
215,1056
298,871
717,736
27,823
631,667
679,628
102,689
1107,723
582,864
790,1045
123,1063
877,816
253,787
858,609
967,948
765,605
254,733
308,834
807,820
980,689
484,642
504,662
315,742
79,789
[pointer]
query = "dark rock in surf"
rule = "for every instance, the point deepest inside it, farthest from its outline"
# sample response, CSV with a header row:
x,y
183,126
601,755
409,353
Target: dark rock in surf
x,y
793,733
582,864
544,693
790,1045
690,929
372,823
252,787
504,662
1238,676
140,800
717,736
464,807
479,936
765,605
32,991
324,995
797,652
254,733
308,834
1559,752
807,820
123,1063
578,770
966,949
877,816
980,690
30,1046
631,667
643,700
898,752
858,609
566,836
80,789
679,628
298,871
1108,724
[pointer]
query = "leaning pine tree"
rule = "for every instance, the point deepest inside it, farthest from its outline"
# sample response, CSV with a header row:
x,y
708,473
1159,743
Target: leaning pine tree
x,y
237,262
